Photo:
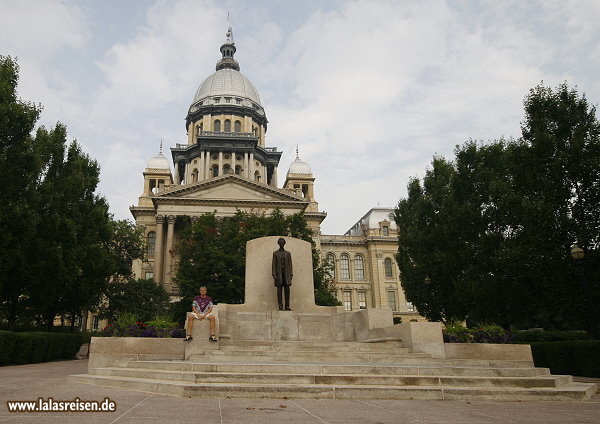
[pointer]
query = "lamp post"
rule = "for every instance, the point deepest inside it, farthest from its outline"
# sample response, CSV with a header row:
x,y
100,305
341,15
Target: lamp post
x,y
578,255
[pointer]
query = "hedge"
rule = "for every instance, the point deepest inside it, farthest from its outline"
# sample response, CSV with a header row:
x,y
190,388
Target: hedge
x,y
33,347
576,357
539,335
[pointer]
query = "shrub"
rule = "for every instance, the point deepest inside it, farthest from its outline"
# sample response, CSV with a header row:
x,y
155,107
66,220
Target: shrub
x,y
490,333
455,332
8,340
576,357
33,347
540,335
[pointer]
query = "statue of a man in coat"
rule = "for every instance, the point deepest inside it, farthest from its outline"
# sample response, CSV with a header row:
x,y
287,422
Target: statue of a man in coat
x,y
282,274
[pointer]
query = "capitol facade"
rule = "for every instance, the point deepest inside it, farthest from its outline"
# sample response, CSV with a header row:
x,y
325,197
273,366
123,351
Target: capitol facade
x,y
225,165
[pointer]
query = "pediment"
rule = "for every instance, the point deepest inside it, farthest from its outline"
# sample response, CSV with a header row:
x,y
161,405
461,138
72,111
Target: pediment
x,y
228,188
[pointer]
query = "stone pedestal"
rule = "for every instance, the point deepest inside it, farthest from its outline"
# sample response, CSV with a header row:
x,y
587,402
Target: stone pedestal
x,y
258,318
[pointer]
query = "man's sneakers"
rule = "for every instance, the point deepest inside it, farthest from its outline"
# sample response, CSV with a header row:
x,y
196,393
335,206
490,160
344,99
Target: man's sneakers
x,y
187,338
212,338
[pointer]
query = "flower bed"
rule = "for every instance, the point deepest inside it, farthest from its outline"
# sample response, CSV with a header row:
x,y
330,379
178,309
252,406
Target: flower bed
x,y
127,325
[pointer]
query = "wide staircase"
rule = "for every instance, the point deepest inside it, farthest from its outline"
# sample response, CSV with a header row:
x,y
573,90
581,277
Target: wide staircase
x,y
337,370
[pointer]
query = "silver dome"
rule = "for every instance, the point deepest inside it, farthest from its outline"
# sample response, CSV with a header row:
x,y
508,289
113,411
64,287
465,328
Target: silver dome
x,y
227,83
299,167
158,162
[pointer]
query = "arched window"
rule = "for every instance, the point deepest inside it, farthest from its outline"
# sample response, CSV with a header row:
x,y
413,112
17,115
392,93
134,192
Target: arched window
x,y
344,267
256,176
217,125
227,125
226,169
331,264
238,170
387,264
150,243
195,175
215,170
359,267
237,126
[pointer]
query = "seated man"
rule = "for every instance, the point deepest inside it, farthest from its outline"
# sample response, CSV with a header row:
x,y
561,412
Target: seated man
x,y
202,307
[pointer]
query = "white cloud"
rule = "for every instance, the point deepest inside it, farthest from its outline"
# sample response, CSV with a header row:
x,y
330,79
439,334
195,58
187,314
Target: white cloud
x,y
370,90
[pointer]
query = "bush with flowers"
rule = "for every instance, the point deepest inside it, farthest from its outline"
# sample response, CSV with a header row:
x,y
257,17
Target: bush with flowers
x,y
128,325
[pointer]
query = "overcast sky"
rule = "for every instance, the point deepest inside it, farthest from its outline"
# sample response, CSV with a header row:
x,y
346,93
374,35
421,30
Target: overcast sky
x,y
369,90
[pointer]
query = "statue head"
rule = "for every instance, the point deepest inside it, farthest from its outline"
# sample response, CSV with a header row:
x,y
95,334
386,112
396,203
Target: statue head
x,y
281,242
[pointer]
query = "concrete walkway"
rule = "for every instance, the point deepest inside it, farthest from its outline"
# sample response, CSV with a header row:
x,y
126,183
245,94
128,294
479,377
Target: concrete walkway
x,y
29,382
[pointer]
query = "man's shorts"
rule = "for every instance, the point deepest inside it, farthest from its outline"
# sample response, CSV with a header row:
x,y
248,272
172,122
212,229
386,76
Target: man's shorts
x,y
196,316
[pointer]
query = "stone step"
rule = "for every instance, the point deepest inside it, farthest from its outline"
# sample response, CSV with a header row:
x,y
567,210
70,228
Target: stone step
x,y
567,392
307,346
303,368
345,357
337,379
318,353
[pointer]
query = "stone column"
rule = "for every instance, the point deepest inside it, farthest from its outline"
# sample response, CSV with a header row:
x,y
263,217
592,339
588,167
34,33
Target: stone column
x,y
201,166
264,175
274,177
251,167
221,163
169,250
176,173
158,249
246,165
207,165
233,162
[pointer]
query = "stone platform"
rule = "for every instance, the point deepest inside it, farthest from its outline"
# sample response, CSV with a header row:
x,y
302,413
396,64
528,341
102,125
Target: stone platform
x,y
319,352
326,370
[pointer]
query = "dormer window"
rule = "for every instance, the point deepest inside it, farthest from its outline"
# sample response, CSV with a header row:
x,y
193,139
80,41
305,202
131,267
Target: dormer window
x,y
385,230
227,99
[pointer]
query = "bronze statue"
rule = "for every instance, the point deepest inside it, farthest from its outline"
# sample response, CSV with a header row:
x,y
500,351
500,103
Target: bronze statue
x,y
282,274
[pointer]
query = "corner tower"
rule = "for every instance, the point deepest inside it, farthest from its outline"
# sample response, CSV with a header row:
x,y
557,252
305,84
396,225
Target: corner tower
x,y
226,126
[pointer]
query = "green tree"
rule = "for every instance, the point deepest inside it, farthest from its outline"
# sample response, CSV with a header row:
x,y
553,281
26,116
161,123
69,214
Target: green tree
x,y
20,165
213,252
431,252
54,253
499,220
72,253
126,245
144,298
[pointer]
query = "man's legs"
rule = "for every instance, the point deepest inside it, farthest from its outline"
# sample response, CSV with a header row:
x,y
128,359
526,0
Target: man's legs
x,y
211,318
287,297
279,298
190,323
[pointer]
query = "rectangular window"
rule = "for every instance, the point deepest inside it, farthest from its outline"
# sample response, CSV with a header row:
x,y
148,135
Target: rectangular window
x,y
386,231
362,300
95,322
345,267
359,267
347,300
149,275
391,300
410,307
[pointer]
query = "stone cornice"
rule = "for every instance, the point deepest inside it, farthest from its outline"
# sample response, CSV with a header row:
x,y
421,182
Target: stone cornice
x,y
175,191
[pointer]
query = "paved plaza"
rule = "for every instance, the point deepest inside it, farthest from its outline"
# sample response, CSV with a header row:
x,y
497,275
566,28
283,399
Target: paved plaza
x,y
29,382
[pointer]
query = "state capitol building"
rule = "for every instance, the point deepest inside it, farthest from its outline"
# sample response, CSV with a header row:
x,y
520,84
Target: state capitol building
x,y
225,166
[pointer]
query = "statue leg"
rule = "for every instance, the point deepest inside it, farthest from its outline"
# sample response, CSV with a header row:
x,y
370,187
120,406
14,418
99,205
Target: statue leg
x,y
287,298
279,298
